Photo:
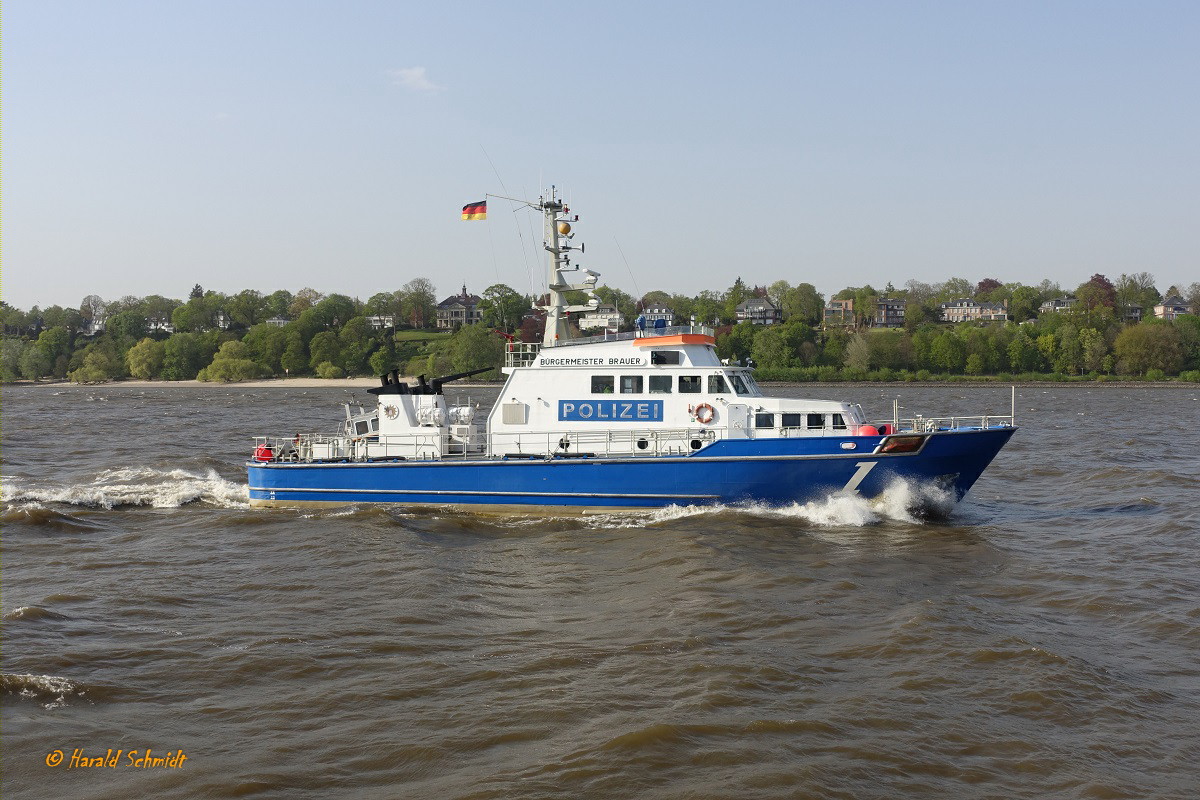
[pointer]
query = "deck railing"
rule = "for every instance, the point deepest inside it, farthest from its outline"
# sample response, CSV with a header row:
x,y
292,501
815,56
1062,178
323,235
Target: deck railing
x,y
439,444
522,354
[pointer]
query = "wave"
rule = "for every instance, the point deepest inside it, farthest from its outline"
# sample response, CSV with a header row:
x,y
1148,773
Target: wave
x,y
36,514
49,690
31,613
137,486
902,501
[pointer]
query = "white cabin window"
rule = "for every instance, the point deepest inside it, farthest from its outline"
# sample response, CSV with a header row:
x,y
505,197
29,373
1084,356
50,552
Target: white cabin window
x,y
793,420
689,384
602,384
660,384
764,420
839,422
631,384
361,427
816,421
717,385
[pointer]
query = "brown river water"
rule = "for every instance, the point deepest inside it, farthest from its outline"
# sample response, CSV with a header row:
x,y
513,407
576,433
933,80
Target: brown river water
x,y
1040,641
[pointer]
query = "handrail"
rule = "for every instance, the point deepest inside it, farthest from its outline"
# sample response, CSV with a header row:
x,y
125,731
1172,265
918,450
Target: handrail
x,y
522,354
441,444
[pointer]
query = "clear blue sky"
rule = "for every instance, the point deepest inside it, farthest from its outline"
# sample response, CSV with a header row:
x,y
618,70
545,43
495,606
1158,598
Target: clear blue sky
x,y
149,146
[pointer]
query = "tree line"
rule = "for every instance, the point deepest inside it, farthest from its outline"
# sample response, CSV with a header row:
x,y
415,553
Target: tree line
x,y
217,337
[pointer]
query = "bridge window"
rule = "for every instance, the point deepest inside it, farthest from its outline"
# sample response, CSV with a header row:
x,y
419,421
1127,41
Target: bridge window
x,y
793,420
664,357
631,384
717,385
660,384
816,421
839,422
689,384
738,385
763,420
602,384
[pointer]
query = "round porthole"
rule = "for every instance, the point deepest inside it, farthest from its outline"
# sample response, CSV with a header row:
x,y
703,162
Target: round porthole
x,y
642,444
696,445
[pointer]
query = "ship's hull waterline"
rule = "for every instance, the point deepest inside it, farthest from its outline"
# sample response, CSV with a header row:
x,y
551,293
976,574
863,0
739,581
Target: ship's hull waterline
x,y
772,471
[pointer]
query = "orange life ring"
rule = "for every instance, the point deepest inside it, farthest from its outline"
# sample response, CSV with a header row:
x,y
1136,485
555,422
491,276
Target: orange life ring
x,y
704,413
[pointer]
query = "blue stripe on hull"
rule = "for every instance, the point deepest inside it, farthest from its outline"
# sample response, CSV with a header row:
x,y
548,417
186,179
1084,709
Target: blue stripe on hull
x,y
775,471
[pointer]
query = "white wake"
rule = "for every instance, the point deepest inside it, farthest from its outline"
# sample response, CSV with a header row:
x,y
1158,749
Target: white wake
x,y
134,486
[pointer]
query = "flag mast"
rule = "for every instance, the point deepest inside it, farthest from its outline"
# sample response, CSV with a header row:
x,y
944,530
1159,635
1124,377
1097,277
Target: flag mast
x,y
557,242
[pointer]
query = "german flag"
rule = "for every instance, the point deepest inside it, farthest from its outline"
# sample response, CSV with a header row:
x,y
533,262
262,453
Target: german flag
x,y
475,210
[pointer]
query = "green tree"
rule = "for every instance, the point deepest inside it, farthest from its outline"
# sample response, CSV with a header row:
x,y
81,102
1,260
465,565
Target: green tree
x,y
184,355
475,347
1147,346
804,303
246,308
127,325
193,316
295,359
384,359
327,370
59,317
356,340
1137,289
1024,303
278,302
948,353
145,359
503,307
772,350
737,294
35,363
100,364
952,289
232,364
890,349
738,343
858,353
707,307
1069,352
419,302
335,310
325,346
266,345
1093,349
1023,353
56,343
11,351
303,300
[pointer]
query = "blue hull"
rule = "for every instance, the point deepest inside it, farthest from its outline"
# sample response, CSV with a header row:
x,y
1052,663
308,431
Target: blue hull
x,y
773,471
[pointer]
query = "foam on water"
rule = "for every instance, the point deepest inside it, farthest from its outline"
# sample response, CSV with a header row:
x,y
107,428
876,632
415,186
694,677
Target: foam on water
x,y
135,486
902,501
49,690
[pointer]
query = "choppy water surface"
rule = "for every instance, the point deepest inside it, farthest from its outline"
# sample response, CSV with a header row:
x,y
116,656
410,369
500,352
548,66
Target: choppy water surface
x,y
1043,641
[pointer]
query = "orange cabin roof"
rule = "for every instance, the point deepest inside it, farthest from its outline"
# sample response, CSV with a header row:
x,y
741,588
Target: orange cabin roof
x,y
682,338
